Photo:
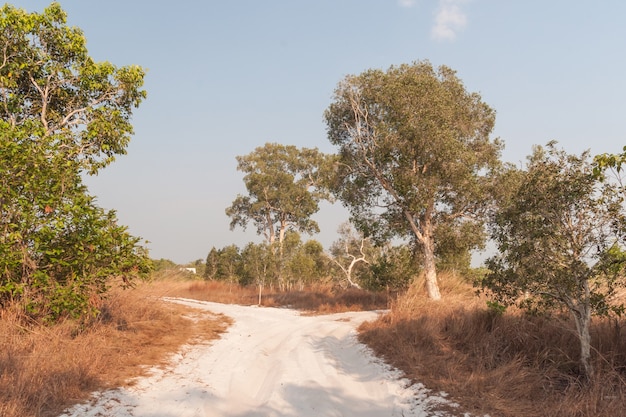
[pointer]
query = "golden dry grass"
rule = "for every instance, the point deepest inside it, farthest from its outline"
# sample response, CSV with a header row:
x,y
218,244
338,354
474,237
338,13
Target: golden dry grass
x,y
44,369
509,365
504,365
318,299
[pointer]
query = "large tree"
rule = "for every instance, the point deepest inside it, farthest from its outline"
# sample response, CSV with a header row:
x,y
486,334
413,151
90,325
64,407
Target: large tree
x,y
415,154
559,235
61,115
285,185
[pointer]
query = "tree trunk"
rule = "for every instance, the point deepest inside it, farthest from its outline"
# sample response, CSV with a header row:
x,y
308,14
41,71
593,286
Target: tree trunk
x,y
582,318
430,270
424,235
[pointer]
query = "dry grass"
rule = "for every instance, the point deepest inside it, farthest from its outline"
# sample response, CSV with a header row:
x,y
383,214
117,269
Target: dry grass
x,y
509,365
44,369
319,299
504,365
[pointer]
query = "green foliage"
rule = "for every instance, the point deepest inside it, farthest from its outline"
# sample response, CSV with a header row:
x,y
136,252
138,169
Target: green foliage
x,y
496,308
163,264
609,168
224,264
559,239
609,161
61,115
394,269
285,185
415,155
558,233
454,243
260,264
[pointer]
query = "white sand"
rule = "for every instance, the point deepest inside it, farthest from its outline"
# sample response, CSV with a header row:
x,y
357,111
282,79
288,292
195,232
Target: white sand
x,y
270,362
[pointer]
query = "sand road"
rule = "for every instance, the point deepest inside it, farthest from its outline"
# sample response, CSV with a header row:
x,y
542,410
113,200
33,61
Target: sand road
x,y
270,362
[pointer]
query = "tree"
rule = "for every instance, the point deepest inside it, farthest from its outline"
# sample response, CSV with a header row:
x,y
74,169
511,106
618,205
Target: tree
x,y
62,115
285,185
415,154
211,264
351,250
259,265
558,234
303,263
609,167
229,264
454,245
393,269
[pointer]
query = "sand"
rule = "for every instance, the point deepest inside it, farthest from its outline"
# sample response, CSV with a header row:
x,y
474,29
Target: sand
x,y
270,362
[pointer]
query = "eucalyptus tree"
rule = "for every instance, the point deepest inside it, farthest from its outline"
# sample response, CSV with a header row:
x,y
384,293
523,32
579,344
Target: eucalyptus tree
x,y
352,252
415,153
61,115
559,235
285,186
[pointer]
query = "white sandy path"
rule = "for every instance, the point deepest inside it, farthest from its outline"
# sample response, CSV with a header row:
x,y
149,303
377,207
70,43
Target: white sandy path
x,y
270,362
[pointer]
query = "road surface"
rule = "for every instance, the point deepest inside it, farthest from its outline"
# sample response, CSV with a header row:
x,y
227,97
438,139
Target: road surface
x,y
271,362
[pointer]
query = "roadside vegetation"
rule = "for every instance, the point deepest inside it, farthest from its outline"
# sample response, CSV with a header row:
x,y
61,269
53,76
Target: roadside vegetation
x,y
488,359
45,368
501,363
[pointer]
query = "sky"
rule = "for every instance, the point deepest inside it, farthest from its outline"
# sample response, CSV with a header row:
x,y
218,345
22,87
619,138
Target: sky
x,y
225,77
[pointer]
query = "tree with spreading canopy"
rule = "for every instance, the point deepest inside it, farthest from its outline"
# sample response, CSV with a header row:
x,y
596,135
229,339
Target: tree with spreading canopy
x,y
285,186
61,115
559,235
415,156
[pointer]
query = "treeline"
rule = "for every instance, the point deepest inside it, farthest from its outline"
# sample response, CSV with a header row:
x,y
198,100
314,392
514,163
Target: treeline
x,y
351,261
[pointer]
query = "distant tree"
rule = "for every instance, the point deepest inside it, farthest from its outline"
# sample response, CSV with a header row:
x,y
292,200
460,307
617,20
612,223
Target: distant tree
x,y
211,264
351,251
259,266
303,263
61,115
454,245
229,264
163,264
559,239
415,155
285,185
313,250
394,269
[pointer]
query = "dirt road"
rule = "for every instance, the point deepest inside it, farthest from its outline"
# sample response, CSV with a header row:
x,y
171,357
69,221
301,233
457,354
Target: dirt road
x,y
271,362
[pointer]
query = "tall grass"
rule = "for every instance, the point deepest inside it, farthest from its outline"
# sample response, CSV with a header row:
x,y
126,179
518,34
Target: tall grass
x,y
45,368
319,299
505,365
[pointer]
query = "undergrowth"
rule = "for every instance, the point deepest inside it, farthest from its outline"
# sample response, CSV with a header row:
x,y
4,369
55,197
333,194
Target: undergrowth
x,y
46,367
505,364
501,363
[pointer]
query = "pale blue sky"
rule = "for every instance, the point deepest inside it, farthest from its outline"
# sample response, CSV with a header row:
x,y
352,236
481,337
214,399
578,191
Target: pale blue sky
x,y
227,76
